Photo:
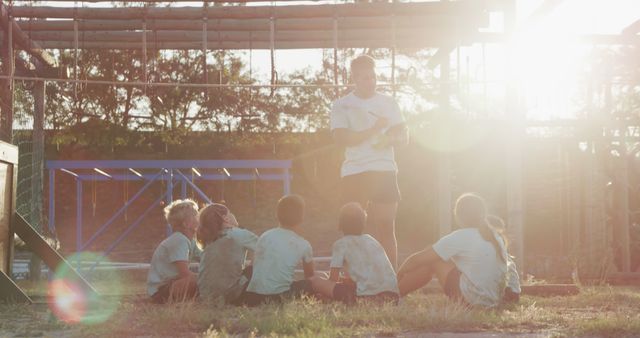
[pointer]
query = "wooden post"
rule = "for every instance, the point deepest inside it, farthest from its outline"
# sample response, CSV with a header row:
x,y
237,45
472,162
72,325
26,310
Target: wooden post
x,y
9,291
443,157
621,206
37,169
513,158
6,85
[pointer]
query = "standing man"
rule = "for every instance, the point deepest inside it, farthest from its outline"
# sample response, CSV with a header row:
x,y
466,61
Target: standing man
x,y
369,125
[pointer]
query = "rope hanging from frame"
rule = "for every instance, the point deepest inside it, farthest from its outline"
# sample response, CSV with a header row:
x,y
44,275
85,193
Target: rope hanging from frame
x,y
272,46
205,48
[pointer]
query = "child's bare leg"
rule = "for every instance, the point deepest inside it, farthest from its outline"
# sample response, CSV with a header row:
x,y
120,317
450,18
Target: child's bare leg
x,y
414,280
441,270
183,289
322,286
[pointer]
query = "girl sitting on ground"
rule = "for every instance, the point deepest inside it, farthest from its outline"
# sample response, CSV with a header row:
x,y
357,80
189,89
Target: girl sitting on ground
x,y
370,273
223,275
470,263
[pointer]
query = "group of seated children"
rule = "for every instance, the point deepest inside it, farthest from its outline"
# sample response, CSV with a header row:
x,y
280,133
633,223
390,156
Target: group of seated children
x,y
471,264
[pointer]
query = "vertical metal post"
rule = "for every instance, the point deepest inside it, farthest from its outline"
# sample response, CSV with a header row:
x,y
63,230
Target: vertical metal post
x,y
144,52
287,181
443,157
335,56
52,201
75,57
515,203
393,54
169,196
37,157
78,214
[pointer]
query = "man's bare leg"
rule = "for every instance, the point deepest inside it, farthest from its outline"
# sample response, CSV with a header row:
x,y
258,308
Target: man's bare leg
x,y
382,226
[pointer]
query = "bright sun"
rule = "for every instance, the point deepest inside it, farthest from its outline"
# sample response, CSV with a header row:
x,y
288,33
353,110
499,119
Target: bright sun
x,y
547,64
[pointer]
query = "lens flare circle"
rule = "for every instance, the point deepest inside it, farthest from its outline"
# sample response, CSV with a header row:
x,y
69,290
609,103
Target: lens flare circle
x,y
71,302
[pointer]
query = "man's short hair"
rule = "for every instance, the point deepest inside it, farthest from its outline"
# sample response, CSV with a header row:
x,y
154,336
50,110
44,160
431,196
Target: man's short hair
x,y
352,219
362,62
179,211
290,211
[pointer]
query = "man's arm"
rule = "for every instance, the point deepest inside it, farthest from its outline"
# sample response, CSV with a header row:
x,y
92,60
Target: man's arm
x,y
349,138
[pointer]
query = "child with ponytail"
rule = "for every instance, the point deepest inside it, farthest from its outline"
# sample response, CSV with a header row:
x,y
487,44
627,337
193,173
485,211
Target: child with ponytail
x,y
471,263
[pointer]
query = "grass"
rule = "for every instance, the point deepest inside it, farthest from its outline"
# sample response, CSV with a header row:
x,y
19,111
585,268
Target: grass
x,y
595,312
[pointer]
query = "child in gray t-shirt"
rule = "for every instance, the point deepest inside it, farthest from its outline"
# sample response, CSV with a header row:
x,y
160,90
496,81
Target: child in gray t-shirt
x,y
222,273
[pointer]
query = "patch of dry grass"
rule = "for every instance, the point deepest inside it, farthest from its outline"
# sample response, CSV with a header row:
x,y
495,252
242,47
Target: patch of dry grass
x,y
596,312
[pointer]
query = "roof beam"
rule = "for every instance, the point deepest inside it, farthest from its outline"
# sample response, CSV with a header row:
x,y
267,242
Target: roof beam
x,y
231,36
379,22
545,8
302,43
252,12
23,40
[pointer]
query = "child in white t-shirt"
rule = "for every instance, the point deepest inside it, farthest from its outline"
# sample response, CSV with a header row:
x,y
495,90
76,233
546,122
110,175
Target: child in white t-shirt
x,y
169,277
222,273
362,258
470,263
278,252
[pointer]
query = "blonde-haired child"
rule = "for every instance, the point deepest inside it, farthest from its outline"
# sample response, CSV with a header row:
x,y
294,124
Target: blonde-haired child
x,y
169,277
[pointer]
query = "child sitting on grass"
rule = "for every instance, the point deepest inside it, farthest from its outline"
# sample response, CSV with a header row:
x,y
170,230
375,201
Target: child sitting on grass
x,y
277,254
363,259
471,263
222,273
169,278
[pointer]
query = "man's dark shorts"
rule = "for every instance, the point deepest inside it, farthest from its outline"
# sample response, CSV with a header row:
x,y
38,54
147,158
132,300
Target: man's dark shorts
x,y
371,186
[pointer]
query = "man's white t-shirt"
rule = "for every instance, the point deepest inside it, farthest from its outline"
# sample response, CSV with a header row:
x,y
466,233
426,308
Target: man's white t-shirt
x,y
483,274
278,252
162,269
365,260
222,262
357,114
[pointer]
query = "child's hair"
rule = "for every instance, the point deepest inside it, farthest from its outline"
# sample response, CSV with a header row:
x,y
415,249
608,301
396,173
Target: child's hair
x,y
352,219
471,211
362,62
212,222
178,211
290,211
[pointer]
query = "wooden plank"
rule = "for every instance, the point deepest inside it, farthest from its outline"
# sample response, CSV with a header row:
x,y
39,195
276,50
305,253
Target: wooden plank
x,y
49,255
251,12
550,290
479,19
8,153
10,292
6,237
8,182
264,36
215,45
